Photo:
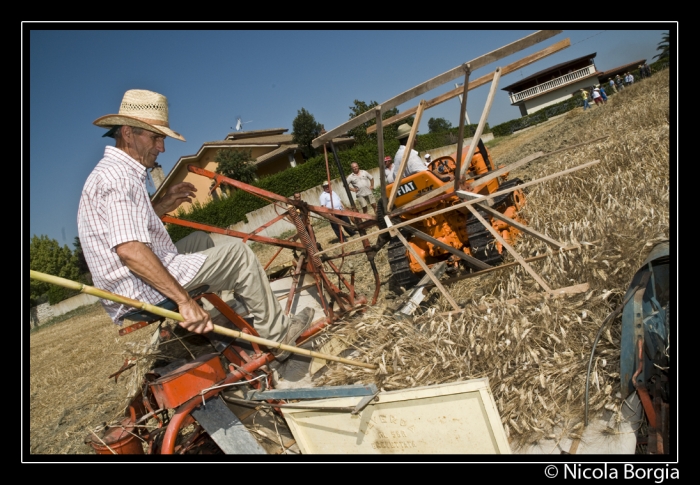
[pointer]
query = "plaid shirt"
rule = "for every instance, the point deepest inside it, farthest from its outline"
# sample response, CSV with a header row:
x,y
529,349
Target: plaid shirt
x,y
114,209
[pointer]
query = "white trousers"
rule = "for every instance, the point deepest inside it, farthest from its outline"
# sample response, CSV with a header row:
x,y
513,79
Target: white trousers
x,y
232,266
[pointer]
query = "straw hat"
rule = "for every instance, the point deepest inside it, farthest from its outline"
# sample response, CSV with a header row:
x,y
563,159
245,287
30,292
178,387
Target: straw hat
x,y
325,183
142,109
403,131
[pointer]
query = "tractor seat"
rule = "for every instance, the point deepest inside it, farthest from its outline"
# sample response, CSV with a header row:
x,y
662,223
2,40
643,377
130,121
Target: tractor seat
x,y
139,315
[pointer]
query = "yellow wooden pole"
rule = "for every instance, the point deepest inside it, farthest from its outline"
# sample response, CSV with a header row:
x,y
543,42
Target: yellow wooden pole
x,y
91,290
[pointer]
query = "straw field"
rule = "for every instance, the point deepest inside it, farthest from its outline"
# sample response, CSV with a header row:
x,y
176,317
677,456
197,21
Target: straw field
x,y
534,350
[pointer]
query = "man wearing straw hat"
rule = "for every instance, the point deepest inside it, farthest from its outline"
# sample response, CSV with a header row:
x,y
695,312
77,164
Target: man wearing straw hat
x,y
414,164
130,253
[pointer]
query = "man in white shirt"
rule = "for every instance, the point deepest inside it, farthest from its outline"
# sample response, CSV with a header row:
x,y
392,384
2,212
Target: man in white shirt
x,y
331,200
414,164
129,251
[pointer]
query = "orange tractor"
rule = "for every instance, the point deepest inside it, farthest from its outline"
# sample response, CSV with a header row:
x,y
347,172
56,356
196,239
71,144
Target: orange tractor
x,y
456,233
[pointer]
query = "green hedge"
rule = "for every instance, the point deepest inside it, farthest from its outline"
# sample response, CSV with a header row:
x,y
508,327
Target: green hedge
x,y
227,211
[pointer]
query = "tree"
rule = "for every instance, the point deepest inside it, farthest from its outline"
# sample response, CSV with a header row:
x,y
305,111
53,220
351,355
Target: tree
x,y
305,129
236,164
46,256
359,133
438,125
664,46
85,276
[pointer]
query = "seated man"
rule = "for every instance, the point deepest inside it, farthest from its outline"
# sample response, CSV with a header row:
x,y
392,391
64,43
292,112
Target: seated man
x,y
414,164
130,253
331,200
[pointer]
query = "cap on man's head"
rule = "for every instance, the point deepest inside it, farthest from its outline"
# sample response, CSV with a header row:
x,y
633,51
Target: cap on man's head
x,y
427,155
325,183
142,109
387,159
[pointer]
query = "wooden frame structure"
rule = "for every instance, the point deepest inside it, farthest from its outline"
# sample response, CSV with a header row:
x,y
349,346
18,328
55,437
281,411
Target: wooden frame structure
x,y
471,199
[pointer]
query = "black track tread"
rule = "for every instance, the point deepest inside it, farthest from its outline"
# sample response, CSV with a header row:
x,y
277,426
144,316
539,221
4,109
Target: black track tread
x,y
481,242
398,261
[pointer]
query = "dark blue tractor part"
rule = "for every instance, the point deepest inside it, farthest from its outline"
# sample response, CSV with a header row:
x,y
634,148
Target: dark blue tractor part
x,y
645,318
645,347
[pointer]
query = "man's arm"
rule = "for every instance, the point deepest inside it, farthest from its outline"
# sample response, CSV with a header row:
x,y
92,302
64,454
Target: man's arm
x,y
173,197
142,262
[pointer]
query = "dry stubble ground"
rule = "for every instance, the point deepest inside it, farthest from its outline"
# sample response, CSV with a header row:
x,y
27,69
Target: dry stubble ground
x,y
69,392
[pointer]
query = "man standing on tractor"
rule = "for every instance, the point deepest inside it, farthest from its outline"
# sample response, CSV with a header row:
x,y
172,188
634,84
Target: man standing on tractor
x,y
414,164
130,253
389,170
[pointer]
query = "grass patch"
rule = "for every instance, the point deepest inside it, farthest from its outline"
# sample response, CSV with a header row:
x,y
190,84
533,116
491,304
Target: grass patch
x,y
495,141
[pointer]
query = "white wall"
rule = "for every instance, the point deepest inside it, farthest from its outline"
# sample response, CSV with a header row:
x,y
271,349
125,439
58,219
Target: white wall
x,y
554,97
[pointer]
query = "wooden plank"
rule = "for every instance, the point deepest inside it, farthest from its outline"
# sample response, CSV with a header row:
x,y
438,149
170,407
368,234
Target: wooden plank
x,y
520,226
462,117
558,293
569,290
425,267
482,121
492,175
406,155
512,67
472,261
380,153
498,172
501,267
510,249
462,204
439,80
481,181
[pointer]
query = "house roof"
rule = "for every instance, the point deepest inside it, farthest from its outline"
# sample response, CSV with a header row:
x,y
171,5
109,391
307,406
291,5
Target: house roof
x,y
275,153
238,135
623,68
544,72
272,137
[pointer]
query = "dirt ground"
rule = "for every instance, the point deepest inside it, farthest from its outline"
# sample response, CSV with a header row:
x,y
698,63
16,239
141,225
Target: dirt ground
x,y
67,386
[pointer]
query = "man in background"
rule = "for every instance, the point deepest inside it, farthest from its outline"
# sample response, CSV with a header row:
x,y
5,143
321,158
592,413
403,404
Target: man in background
x,y
331,200
362,183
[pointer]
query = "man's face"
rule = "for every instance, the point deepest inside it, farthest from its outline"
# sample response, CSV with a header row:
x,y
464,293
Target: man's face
x,y
297,196
148,145
355,167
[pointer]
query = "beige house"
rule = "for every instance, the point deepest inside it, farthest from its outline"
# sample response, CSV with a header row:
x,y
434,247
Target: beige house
x,y
272,151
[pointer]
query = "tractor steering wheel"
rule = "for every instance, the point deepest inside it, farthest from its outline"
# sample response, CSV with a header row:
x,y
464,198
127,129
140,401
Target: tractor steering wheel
x,y
441,166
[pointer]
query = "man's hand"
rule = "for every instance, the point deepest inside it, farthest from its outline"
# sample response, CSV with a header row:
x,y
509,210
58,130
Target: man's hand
x,y
142,262
174,196
197,320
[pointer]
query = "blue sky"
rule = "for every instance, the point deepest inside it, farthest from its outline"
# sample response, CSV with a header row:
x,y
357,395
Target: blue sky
x,y
263,73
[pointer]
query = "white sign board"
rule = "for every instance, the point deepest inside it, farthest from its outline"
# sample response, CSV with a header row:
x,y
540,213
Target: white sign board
x,y
454,418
